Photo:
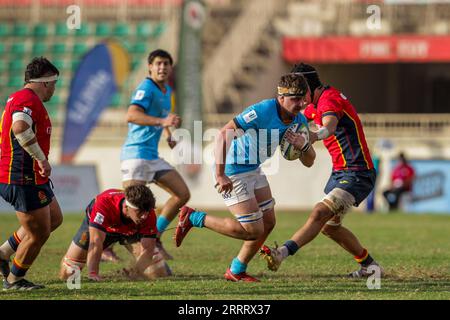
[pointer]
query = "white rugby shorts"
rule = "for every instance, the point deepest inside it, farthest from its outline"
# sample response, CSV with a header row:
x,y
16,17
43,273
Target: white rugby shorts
x,y
143,170
244,186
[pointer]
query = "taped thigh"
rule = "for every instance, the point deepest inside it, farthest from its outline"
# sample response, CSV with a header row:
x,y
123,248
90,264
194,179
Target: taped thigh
x,y
73,264
267,205
249,217
339,202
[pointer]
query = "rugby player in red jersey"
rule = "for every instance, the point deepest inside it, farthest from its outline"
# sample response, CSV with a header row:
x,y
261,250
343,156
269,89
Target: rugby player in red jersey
x,y
25,171
352,178
124,216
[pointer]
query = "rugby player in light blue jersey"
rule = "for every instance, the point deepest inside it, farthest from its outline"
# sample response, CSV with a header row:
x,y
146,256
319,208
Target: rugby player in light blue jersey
x,y
243,185
149,114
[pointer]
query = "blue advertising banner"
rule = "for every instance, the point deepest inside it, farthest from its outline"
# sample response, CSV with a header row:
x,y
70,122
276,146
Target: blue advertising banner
x,y
98,76
431,188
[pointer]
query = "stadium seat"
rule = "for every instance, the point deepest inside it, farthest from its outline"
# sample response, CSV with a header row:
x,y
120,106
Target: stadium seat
x,y
139,48
84,30
58,48
102,29
61,29
79,48
20,30
18,49
158,30
40,30
143,29
116,101
2,48
60,64
4,30
16,65
136,63
15,83
121,30
3,66
74,64
60,83
39,49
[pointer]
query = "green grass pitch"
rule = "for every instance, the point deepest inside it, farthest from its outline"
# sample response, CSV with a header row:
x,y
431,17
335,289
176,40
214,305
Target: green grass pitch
x,y
413,249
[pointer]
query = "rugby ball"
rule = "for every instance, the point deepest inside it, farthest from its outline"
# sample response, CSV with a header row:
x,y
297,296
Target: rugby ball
x,y
288,151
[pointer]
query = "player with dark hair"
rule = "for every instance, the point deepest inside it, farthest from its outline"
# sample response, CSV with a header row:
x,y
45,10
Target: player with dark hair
x,y
126,217
149,113
25,171
240,150
352,179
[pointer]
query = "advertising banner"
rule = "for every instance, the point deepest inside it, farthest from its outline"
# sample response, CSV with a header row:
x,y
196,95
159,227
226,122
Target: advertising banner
x,y
74,188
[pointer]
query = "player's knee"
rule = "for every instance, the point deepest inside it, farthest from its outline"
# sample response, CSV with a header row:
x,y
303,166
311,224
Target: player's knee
x,y
321,214
254,234
39,238
184,197
329,231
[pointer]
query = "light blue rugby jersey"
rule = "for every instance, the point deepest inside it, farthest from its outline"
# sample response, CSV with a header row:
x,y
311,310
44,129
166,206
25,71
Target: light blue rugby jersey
x,y
142,141
247,152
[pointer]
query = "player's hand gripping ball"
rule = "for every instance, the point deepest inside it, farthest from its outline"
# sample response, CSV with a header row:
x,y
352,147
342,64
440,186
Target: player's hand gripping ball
x,y
288,150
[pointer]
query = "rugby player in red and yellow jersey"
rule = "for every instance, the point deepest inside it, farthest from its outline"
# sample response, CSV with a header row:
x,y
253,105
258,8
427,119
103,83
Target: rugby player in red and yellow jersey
x,y
25,171
352,179
114,215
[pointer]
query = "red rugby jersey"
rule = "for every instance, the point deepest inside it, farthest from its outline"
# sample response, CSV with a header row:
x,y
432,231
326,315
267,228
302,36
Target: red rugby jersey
x,y
347,147
106,214
16,165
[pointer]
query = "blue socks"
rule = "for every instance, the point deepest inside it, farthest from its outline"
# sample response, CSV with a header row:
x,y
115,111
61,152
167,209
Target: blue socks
x,y
291,246
162,223
237,266
197,218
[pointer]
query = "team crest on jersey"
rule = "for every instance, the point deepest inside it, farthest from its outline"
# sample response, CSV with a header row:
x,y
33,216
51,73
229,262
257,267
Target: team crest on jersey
x,y
27,111
249,117
42,197
99,218
139,95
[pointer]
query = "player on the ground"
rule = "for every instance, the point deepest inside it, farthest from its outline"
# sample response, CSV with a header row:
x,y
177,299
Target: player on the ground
x,y
148,114
239,178
352,179
124,216
25,171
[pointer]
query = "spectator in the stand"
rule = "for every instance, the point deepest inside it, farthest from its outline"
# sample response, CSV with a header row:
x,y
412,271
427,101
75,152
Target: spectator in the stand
x,y
402,178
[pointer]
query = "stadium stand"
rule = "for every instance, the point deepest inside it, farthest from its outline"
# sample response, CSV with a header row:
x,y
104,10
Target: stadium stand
x,y
42,30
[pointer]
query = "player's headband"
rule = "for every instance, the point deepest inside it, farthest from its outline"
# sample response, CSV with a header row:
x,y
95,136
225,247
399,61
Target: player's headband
x,y
130,205
291,92
45,79
305,72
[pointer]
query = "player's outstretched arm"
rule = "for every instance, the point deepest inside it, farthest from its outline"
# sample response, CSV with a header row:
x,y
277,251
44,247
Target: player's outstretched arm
x,y
96,240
